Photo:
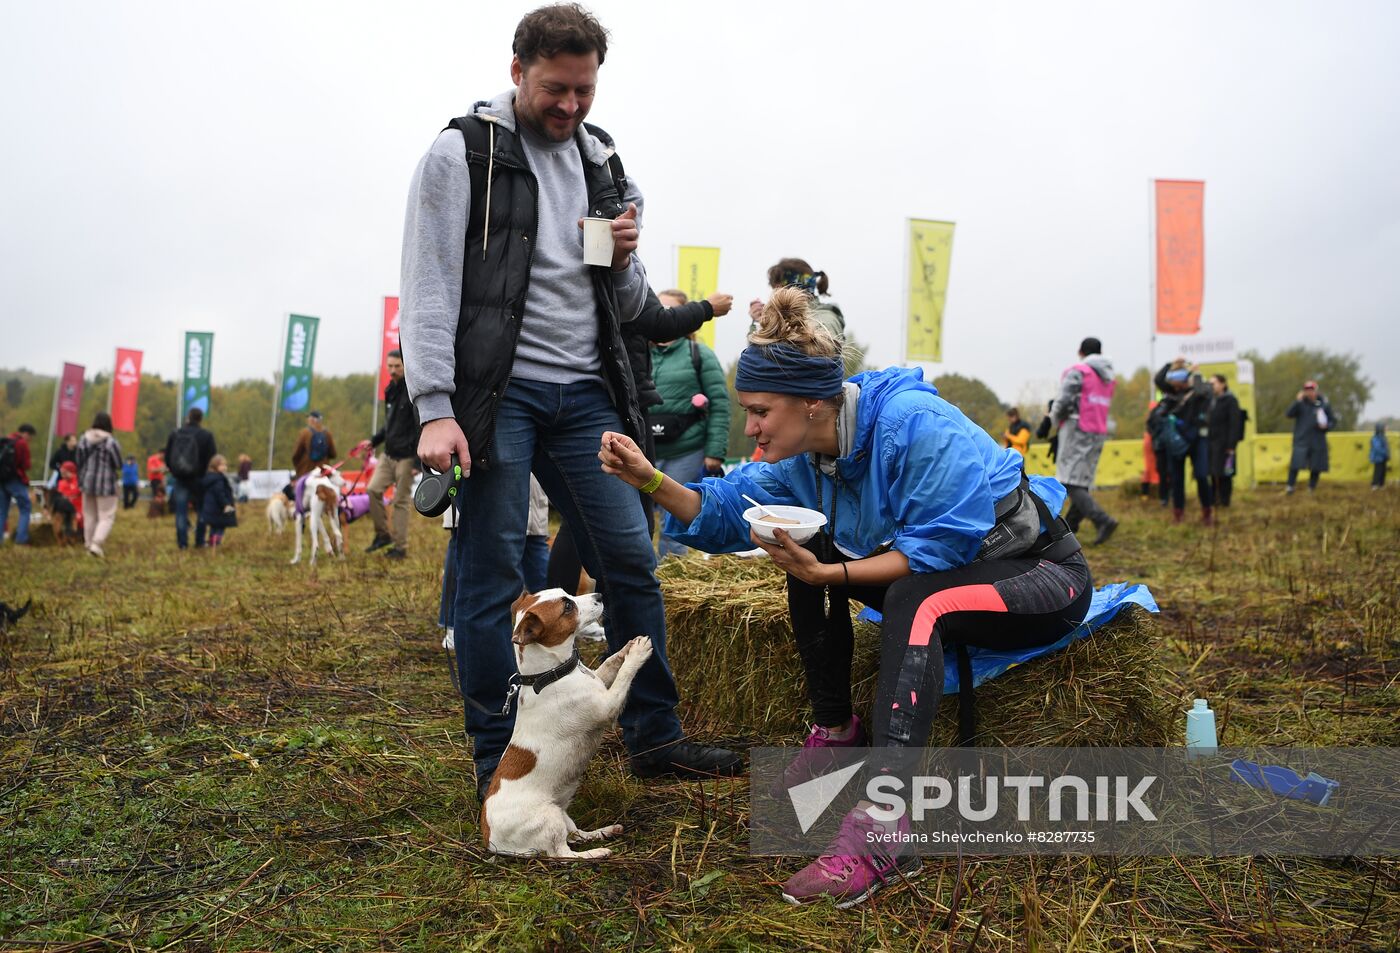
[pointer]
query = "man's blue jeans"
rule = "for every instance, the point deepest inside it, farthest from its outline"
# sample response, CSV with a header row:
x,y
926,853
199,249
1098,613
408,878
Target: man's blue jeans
x,y
555,430
534,569
19,492
181,496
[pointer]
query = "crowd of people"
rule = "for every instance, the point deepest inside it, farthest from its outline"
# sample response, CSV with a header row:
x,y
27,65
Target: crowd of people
x,y
529,368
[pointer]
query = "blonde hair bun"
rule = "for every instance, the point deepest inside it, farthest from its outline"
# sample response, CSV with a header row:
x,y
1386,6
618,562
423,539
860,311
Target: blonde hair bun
x,y
787,319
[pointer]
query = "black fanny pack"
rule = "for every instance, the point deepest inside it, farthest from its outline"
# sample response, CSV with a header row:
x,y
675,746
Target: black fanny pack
x,y
1017,533
668,427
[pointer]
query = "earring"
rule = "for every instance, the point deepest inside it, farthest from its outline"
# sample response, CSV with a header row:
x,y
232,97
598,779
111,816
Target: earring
x,y
810,417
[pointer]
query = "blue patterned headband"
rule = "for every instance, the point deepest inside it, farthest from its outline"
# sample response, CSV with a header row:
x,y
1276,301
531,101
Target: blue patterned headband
x,y
783,369
805,280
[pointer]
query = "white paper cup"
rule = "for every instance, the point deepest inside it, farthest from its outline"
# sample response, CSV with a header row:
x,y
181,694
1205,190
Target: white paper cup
x,y
597,241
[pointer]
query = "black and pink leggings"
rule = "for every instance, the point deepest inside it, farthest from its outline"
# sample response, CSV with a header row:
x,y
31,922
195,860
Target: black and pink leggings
x,y
998,604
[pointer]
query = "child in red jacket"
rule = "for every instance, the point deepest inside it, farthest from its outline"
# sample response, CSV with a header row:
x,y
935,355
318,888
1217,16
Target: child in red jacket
x,y
66,501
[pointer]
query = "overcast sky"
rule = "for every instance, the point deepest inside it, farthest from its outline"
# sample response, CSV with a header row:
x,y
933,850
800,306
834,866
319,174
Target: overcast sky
x,y
198,166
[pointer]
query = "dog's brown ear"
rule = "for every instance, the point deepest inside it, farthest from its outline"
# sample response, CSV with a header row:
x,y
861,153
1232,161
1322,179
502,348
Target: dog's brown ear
x,y
530,629
526,600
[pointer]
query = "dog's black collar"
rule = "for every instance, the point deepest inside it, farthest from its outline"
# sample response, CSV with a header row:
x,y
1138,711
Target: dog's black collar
x,y
541,681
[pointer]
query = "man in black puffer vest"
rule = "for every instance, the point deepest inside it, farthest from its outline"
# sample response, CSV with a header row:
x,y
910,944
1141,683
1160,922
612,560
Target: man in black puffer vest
x,y
515,361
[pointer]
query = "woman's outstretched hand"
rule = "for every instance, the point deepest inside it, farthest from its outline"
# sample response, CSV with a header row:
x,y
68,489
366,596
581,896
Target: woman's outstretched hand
x,y
624,459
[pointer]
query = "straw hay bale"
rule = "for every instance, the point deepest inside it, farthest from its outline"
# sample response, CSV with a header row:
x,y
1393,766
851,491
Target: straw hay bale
x,y
731,647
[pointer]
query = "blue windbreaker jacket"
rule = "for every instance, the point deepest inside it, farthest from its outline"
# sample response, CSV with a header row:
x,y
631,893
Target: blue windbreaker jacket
x,y
921,478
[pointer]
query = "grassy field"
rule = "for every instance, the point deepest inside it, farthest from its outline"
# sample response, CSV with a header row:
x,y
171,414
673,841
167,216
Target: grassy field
x,y
232,753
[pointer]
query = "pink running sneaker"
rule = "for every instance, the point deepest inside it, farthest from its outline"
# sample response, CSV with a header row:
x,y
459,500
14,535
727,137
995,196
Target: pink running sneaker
x,y
858,863
816,757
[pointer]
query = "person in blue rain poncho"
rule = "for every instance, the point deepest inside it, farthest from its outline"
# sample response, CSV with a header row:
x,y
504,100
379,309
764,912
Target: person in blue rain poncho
x,y
928,520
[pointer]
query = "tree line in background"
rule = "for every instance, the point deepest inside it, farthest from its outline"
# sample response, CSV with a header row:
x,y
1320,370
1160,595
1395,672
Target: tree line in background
x,y
240,413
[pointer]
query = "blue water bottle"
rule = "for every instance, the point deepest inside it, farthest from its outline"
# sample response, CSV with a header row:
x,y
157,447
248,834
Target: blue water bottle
x,y
1200,728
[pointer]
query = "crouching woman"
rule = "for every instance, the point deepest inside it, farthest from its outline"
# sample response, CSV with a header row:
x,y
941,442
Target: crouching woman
x,y
928,520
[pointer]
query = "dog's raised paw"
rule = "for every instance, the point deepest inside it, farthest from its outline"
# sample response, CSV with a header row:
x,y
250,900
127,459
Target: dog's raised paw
x,y
640,647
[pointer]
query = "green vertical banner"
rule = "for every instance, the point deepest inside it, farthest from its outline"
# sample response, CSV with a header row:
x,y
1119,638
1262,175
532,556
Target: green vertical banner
x,y
296,364
199,349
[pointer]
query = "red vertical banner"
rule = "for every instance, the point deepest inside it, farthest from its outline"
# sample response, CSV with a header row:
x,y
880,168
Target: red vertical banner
x,y
70,397
388,340
1180,256
126,386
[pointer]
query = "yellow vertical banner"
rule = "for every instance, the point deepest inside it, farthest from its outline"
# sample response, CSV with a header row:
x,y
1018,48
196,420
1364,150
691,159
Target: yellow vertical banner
x,y
697,274
930,254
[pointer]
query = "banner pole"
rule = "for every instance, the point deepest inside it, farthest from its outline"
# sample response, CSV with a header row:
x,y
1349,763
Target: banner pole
x,y
276,394
1151,287
111,386
904,293
378,363
53,423
180,383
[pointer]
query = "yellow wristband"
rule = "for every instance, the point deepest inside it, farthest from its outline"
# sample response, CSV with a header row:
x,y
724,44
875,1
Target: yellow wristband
x,y
654,484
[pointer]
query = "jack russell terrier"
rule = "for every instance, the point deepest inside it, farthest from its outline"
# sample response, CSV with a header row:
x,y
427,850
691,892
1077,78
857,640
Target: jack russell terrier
x,y
563,710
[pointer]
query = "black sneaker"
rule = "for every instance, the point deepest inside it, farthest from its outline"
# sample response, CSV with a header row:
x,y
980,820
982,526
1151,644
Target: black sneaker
x,y
688,761
380,541
1105,531
396,553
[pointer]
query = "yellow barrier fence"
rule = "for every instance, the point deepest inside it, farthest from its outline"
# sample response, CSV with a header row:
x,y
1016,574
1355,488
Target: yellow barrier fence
x,y
1348,453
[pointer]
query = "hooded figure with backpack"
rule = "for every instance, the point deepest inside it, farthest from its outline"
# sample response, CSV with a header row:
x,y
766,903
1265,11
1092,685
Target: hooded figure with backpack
x,y
315,445
187,456
1081,411
99,469
14,480
1180,430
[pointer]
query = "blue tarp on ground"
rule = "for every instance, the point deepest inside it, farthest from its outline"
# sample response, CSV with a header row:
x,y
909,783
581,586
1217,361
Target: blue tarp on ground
x,y
986,664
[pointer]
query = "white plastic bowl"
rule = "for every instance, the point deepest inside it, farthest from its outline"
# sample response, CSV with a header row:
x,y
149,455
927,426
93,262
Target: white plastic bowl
x,y
808,522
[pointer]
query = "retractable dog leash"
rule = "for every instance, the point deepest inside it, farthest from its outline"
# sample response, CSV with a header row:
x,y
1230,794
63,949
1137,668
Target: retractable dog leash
x,y
437,491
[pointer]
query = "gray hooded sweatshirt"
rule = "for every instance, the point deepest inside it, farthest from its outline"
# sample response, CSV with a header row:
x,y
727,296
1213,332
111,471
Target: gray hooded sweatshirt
x,y
1077,460
559,335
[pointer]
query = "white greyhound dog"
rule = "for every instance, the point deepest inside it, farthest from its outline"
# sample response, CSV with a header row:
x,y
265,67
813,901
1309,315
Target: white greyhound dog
x,y
320,499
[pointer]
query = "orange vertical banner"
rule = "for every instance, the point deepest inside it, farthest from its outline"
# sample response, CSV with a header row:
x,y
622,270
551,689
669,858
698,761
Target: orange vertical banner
x,y
126,387
1180,256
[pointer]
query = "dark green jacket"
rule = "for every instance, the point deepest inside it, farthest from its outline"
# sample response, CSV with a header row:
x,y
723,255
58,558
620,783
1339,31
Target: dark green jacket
x,y
674,373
